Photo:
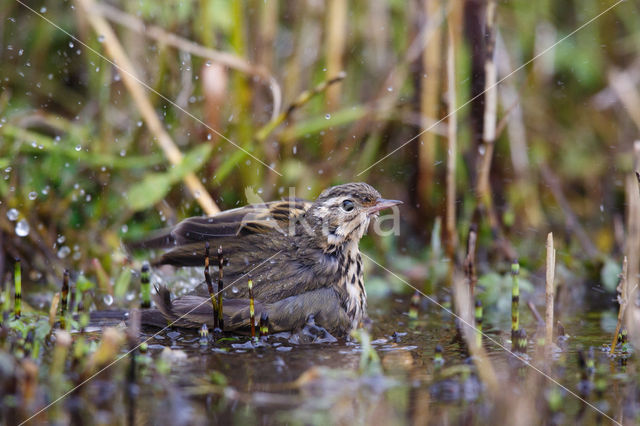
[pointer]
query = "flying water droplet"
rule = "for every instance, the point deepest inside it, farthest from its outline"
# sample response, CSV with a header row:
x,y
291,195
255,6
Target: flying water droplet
x,y
22,228
100,38
63,252
12,214
234,290
124,229
33,195
328,116
78,147
107,299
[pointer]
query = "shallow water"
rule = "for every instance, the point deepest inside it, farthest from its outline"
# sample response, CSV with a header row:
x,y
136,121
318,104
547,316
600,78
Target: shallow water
x,y
276,380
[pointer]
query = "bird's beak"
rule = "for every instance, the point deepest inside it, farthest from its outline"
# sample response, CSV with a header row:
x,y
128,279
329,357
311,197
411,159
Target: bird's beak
x,y
382,204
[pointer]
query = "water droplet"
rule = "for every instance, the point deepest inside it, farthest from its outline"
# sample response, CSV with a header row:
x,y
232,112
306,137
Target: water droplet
x,y
482,149
78,147
43,9
87,198
22,228
12,214
234,290
33,195
20,52
208,63
61,239
123,152
45,190
139,123
130,296
70,44
208,136
389,89
328,116
63,252
295,150
107,299
124,229
100,38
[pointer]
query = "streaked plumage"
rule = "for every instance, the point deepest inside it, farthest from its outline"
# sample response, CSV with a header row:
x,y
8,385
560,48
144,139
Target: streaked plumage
x,y
303,258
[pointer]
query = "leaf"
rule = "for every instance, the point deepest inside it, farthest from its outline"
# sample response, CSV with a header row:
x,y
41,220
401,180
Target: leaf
x,y
155,186
122,283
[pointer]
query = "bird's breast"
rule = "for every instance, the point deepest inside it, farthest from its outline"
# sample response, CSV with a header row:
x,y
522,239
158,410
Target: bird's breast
x,y
352,285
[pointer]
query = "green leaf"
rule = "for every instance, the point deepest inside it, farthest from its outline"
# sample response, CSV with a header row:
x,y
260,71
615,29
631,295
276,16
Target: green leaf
x,y
155,186
122,283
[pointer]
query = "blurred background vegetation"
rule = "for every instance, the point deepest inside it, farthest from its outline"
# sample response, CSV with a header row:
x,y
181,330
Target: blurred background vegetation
x,y
80,168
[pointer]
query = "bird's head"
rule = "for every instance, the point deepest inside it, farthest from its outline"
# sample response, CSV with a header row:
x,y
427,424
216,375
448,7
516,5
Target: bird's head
x,y
341,214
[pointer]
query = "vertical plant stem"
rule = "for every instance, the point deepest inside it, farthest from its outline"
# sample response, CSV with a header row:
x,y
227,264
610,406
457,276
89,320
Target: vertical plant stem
x,y
490,107
264,324
632,249
429,101
478,318
515,301
64,298
220,287
622,301
452,152
252,310
336,35
145,286
470,260
132,82
414,306
549,290
17,283
209,281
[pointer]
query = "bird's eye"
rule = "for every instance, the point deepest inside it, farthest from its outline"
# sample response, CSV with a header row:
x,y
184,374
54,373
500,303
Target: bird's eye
x,y
347,205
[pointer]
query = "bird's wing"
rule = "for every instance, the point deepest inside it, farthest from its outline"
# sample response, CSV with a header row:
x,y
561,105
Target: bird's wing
x,y
247,220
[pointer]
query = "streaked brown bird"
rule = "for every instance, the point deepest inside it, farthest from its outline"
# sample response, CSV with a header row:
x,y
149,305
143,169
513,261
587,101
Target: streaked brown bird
x,y
303,258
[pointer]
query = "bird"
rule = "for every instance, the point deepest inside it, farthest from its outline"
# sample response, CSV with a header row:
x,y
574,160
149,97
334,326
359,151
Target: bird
x,y
302,256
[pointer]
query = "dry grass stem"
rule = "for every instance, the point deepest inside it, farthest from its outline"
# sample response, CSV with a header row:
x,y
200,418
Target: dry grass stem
x,y
549,290
224,58
464,308
116,52
632,249
452,152
429,102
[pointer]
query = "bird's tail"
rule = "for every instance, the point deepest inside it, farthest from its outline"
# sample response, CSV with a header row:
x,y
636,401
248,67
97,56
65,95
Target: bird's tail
x,y
192,311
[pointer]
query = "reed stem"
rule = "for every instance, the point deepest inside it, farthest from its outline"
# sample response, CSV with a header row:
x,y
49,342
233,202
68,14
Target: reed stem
x,y
64,298
252,310
220,287
17,282
209,281
145,286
